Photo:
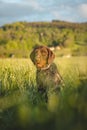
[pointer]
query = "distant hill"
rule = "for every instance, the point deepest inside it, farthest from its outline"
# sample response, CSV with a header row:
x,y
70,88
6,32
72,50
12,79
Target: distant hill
x,y
19,38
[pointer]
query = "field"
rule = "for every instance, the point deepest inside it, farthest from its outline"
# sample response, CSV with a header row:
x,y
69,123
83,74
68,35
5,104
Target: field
x,y
22,108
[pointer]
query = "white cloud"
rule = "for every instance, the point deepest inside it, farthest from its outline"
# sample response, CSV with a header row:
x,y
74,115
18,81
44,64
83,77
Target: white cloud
x,y
10,1
19,11
83,10
64,12
33,4
55,14
42,10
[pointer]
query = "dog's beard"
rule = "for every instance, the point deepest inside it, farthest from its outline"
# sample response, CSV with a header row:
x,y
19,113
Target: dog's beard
x,y
38,65
42,67
41,63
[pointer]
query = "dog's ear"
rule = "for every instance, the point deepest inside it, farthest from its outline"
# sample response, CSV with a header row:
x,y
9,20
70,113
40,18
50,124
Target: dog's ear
x,y
51,56
32,56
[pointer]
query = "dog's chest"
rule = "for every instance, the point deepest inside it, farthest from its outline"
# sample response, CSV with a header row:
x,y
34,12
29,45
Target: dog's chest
x,y
45,75
48,77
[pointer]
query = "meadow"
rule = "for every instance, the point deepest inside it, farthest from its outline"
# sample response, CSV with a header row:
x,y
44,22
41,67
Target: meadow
x,y
22,108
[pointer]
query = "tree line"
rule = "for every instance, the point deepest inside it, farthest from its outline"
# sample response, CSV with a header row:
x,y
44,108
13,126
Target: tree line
x,y
20,37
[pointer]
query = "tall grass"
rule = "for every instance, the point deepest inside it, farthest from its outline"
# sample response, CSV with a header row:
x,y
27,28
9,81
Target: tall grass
x,y
72,69
16,73
21,107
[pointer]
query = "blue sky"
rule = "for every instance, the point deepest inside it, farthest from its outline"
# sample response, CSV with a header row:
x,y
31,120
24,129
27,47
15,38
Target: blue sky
x,y
42,10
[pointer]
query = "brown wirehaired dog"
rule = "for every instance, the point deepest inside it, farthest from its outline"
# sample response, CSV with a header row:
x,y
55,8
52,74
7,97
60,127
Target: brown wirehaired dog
x,y
47,75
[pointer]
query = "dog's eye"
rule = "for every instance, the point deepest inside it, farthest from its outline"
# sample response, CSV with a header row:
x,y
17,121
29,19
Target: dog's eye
x,y
36,51
44,52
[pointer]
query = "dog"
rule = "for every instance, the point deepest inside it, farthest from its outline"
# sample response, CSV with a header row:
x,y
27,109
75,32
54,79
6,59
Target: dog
x,y
47,76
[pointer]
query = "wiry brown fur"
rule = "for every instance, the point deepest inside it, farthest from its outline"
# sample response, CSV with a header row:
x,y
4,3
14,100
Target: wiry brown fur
x,y
47,75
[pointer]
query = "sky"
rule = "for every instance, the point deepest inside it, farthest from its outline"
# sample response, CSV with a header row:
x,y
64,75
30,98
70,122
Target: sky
x,y
42,10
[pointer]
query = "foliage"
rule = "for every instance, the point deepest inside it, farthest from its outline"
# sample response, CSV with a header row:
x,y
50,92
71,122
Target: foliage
x,y
24,36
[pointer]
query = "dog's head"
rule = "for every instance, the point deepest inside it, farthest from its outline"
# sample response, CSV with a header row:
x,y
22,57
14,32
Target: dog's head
x,y
42,56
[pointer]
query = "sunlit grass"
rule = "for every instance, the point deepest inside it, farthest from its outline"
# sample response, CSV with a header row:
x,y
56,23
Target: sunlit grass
x,y
22,107
16,73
